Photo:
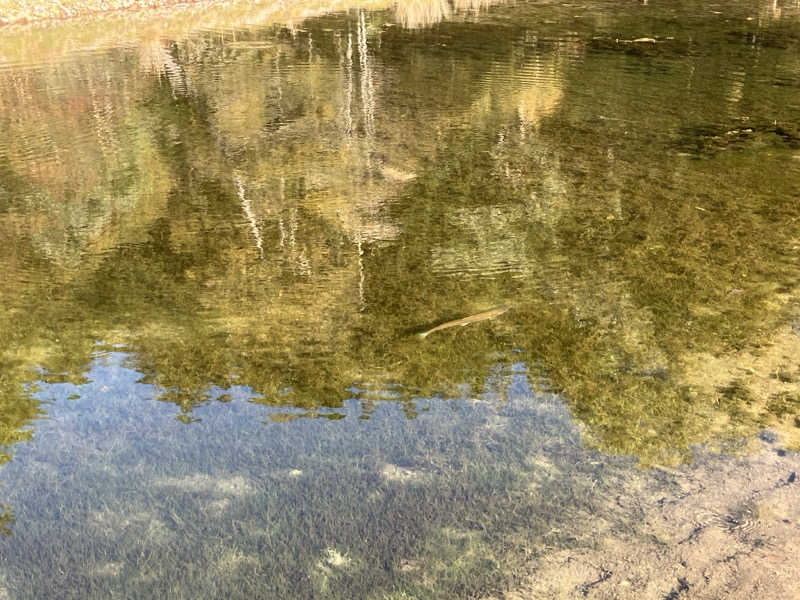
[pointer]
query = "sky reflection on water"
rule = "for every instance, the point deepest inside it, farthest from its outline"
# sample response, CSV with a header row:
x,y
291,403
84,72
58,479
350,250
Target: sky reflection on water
x,y
218,249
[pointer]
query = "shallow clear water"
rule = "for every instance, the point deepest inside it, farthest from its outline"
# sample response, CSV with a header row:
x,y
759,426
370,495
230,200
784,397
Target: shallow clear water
x,y
218,250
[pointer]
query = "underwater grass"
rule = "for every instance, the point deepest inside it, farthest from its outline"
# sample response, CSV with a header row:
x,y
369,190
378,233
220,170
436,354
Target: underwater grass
x,y
620,252
135,503
627,258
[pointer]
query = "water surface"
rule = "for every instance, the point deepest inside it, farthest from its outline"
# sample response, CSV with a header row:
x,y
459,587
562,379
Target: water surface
x,y
218,249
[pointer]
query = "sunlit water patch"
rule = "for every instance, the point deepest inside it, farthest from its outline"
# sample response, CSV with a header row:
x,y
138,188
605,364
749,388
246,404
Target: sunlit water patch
x,y
220,247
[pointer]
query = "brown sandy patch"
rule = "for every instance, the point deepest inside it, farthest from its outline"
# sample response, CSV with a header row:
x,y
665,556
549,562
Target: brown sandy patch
x,y
109,569
26,11
399,474
729,528
231,486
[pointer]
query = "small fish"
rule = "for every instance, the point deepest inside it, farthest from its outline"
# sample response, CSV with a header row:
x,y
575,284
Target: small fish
x,y
250,44
481,316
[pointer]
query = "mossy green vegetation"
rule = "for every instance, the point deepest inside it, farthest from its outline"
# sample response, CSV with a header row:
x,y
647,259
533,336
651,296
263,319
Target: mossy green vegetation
x,y
260,222
294,238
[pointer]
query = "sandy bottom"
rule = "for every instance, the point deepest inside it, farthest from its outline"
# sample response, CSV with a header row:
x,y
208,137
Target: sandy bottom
x,y
728,528
30,11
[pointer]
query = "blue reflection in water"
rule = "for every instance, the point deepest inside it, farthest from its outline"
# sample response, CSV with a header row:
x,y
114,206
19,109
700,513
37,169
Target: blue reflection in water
x,y
114,494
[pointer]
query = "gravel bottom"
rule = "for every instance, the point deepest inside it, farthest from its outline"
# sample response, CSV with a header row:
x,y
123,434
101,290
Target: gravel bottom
x,y
729,529
13,12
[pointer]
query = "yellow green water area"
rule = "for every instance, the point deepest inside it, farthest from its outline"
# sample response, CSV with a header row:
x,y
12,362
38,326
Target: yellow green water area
x,y
217,252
